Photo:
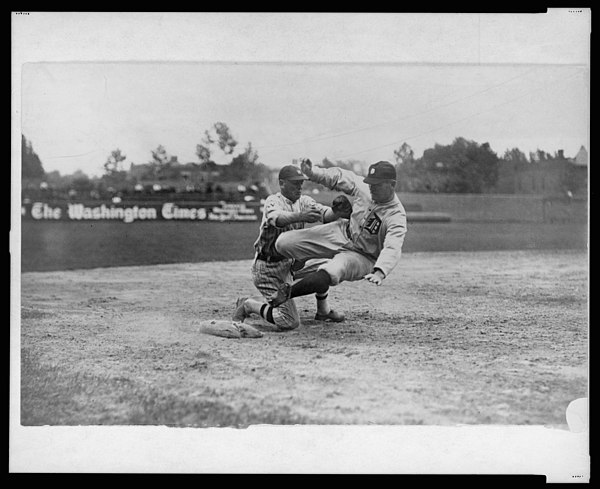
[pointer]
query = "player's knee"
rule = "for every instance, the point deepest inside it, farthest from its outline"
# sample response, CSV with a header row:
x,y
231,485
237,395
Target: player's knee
x,y
329,277
322,281
284,243
288,324
285,320
291,326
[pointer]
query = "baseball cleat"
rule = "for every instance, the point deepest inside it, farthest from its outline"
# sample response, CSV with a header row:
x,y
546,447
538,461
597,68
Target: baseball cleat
x,y
332,316
240,311
283,294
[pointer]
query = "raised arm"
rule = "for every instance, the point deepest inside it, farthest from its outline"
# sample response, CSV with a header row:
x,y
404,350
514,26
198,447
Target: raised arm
x,y
335,178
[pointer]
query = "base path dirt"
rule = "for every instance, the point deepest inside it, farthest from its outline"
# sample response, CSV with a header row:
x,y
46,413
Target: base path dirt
x,y
448,338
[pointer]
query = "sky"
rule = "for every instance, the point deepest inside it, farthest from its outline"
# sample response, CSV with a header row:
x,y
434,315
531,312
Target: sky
x,y
76,111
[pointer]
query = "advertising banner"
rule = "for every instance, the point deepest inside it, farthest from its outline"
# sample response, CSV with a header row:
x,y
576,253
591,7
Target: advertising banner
x,y
130,212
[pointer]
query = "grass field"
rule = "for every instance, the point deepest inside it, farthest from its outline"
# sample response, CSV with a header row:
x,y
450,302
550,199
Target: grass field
x,y
47,246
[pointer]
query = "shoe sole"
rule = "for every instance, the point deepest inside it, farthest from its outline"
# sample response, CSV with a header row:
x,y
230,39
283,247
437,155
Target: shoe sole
x,y
240,313
327,319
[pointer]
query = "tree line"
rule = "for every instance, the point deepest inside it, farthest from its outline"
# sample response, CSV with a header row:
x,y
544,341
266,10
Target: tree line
x,y
463,166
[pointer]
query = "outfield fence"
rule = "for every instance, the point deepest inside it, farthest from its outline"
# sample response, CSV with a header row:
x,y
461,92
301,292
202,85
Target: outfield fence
x,y
419,207
501,208
130,211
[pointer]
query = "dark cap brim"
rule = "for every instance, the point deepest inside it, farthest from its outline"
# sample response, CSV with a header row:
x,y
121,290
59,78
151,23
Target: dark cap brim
x,y
373,181
295,177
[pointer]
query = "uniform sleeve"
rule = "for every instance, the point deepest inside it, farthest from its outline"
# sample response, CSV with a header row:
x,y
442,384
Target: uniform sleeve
x,y
341,180
392,245
273,209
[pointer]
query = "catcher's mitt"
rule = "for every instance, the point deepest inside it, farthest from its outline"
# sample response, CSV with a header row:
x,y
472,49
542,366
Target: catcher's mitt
x,y
342,206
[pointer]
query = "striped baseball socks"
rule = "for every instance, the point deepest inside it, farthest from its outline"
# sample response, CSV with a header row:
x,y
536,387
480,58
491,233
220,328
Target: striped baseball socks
x,y
266,312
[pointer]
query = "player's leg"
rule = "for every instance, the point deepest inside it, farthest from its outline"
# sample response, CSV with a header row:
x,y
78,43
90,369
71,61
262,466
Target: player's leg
x,y
345,266
309,267
267,277
284,318
320,241
324,311
317,282
310,248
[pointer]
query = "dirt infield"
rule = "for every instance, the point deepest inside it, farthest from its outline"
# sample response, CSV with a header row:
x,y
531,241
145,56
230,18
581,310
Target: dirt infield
x,y
449,338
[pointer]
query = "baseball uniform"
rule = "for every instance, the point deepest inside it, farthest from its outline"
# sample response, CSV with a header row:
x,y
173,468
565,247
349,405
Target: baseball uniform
x,y
271,269
371,239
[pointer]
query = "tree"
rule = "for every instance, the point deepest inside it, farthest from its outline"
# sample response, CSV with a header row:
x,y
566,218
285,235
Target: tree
x,y
515,155
224,138
245,166
218,134
81,182
115,176
114,163
250,155
407,171
160,156
404,155
203,153
164,165
31,165
405,168
462,167
539,155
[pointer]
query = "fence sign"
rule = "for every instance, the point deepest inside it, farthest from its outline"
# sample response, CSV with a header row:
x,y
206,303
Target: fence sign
x,y
128,213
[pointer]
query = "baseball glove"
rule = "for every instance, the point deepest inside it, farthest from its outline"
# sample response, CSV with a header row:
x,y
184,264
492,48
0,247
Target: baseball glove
x,y
342,206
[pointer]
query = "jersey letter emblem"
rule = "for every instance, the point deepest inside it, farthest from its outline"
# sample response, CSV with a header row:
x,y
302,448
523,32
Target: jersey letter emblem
x,y
373,224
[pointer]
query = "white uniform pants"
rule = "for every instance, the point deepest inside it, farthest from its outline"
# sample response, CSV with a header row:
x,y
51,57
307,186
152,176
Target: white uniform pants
x,y
325,241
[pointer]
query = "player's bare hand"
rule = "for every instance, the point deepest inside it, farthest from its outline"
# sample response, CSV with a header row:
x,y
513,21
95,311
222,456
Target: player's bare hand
x,y
311,215
375,277
306,167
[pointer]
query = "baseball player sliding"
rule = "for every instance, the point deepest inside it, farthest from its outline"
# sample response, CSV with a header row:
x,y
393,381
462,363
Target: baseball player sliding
x,y
285,211
367,246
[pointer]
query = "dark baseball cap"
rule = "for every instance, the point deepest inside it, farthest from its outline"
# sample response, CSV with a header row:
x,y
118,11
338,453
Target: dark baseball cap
x,y
291,172
382,171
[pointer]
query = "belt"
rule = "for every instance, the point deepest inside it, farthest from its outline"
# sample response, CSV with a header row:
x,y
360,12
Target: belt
x,y
270,259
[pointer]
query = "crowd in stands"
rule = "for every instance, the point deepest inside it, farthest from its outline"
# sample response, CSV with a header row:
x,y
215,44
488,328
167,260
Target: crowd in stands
x,y
154,192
